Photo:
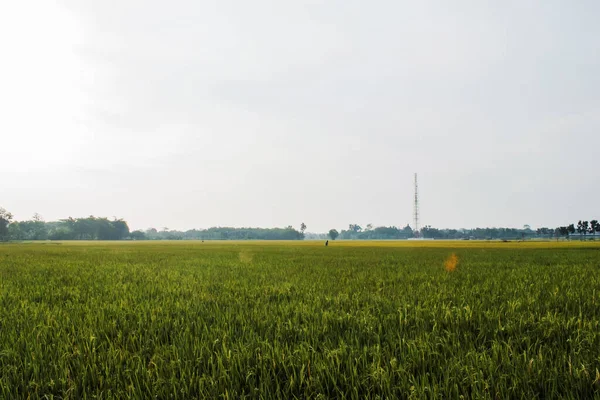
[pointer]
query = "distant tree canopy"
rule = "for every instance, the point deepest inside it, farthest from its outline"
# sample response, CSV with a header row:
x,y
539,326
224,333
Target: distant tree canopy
x,y
333,234
583,228
95,228
379,233
5,218
226,233
89,228
506,233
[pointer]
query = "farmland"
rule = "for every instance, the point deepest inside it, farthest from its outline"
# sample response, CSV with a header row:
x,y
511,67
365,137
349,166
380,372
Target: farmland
x,y
299,320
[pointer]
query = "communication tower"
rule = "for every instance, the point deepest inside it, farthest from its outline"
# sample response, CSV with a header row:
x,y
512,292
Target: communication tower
x,y
416,209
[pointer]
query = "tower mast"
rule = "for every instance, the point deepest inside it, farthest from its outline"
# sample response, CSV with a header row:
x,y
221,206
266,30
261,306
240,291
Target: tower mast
x,y
416,209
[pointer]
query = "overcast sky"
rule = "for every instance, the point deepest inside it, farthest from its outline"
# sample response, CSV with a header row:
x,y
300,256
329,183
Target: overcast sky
x,y
190,114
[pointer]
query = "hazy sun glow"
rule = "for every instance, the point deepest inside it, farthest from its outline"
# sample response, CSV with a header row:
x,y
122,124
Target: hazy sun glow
x,y
41,81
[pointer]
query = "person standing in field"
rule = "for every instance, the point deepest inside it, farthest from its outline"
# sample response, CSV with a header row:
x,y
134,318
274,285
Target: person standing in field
x,y
326,243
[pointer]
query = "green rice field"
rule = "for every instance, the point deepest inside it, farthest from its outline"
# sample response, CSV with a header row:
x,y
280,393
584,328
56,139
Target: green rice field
x,y
298,320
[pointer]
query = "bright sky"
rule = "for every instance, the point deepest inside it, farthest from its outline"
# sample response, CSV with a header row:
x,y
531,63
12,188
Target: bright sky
x,y
191,114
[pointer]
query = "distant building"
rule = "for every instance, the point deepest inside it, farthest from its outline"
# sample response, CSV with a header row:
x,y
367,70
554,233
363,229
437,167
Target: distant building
x,y
581,236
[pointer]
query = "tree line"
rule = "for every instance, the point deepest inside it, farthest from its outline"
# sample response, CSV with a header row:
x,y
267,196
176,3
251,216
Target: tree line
x,y
89,228
95,228
583,228
100,228
221,233
356,232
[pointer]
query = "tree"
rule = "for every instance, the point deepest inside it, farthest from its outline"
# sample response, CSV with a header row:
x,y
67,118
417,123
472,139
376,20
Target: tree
x,y
15,232
138,235
369,227
408,231
34,229
354,228
5,218
333,233
302,227
571,229
39,227
120,229
594,226
431,233
544,231
583,227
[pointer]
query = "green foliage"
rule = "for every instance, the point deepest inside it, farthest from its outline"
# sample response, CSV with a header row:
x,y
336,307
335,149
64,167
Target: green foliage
x,y
227,233
333,234
28,230
563,231
138,235
355,228
5,219
90,228
379,233
428,232
242,320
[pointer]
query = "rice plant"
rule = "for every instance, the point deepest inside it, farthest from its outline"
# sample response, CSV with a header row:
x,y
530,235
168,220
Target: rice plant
x,y
189,320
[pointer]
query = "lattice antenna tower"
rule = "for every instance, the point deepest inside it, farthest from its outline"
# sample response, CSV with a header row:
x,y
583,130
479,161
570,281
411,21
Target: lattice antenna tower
x,y
416,208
